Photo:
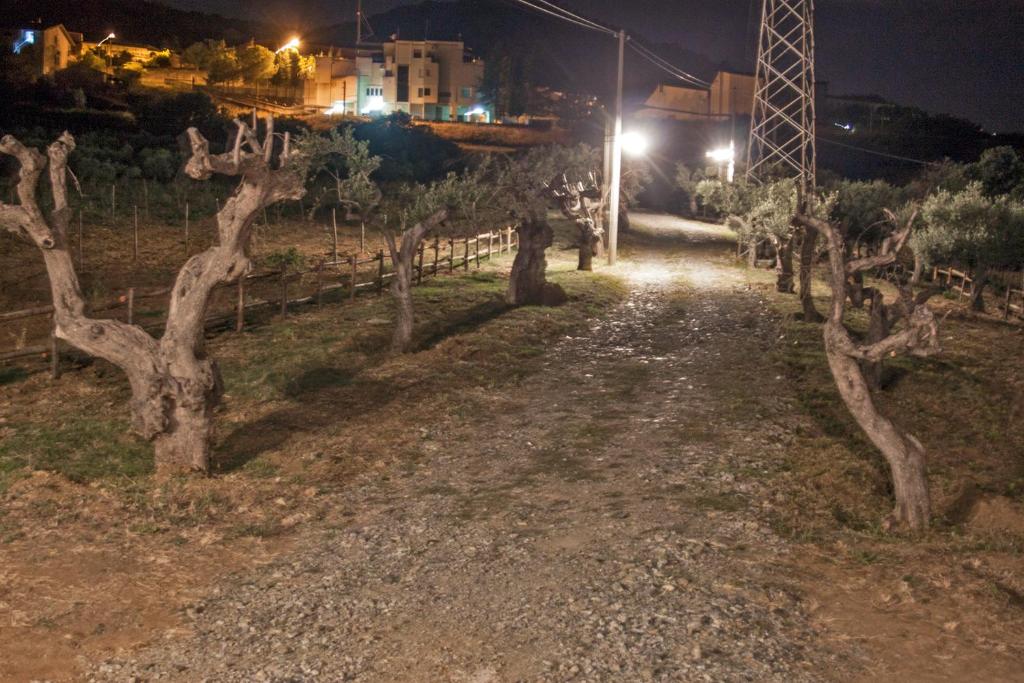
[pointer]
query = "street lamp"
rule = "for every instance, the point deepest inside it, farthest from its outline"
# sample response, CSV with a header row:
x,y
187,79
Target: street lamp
x,y
725,155
106,39
635,143
292,44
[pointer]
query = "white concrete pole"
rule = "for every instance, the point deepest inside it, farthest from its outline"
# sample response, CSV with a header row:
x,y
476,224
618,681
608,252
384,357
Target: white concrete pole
x,y
616,184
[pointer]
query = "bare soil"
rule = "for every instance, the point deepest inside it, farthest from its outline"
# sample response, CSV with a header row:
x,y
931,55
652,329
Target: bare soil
x,y
653,482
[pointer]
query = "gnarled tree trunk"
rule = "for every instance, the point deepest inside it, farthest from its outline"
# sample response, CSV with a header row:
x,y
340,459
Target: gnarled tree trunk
x,y
175,387
978,284
403,253
527,281
808,250
919,336
590,243
783,264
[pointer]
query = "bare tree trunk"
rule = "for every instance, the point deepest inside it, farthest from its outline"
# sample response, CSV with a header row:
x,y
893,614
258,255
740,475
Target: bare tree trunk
x,y
783,265
978,288
590,242
175,387
915,279
904,454
879,328
401,290
527,282
808,250
752,254
403,254
693,206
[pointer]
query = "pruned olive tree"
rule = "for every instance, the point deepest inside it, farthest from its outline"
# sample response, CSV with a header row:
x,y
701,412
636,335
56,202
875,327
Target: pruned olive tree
x,y
524,194
917,336
175,385
578,193
973,231
687,181
349,166
419,211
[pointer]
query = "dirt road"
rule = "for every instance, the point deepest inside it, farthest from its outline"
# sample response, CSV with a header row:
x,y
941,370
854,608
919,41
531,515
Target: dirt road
x,y
606,524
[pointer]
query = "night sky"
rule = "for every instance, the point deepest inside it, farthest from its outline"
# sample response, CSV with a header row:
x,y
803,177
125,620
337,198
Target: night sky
x,y
963,57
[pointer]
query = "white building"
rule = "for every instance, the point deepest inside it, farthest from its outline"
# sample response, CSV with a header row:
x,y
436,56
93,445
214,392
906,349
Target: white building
x,y
432,80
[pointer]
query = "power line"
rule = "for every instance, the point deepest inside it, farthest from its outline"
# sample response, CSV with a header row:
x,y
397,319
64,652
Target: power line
x,y
876,153
592,23
559,14
666,65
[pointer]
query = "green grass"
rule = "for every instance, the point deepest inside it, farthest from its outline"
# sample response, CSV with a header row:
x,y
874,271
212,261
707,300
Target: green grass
x,y
81,448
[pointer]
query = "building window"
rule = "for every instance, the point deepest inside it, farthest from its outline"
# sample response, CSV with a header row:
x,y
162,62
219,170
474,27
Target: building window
x,y
417,54
466,93
374,91
423,92
426,91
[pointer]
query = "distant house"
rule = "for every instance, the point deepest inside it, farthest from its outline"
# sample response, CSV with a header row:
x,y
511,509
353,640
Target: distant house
x,y
730,94
60,48
435,80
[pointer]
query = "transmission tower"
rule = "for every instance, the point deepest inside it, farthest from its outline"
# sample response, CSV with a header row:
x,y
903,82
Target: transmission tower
x,y
782,126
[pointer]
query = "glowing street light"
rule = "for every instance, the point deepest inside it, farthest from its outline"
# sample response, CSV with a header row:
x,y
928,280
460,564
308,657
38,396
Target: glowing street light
x,y
725,155
635,143
106,39
292,44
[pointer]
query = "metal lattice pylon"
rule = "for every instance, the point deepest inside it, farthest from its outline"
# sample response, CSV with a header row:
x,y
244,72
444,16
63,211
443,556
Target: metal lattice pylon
x,y
782,126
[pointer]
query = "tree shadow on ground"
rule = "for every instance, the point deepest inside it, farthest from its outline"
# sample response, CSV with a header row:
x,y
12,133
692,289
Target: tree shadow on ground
x,y
323,396
335,395
463,322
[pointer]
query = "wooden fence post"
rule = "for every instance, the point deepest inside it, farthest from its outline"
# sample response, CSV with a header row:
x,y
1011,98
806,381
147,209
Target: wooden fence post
x,y
334,226
451,254
81,253
419,269
284,292
240,305
54,352
131,305
320,284
437,251
186,230
465,256
354,262
362,233
1006,306
135,237
145,197
113,200
380,272
490,245
477,238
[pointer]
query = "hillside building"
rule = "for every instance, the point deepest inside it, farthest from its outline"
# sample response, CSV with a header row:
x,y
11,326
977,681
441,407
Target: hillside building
x,y
432,80
731,94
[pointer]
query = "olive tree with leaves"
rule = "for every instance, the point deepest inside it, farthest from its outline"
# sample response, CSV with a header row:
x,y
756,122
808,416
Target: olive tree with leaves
x,y
974,231
175,385
418,211
348,166
917,336
524,195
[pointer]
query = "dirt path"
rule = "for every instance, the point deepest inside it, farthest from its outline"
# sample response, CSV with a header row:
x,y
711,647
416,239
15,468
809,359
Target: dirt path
x,y
602,526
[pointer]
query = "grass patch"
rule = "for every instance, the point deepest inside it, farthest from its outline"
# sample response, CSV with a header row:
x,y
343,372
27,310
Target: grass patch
x,y
81,448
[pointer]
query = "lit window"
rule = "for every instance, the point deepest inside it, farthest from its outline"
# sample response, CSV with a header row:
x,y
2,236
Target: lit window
x,y
466,93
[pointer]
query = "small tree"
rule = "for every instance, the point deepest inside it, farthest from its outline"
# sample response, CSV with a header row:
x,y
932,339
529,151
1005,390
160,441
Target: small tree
x,y
524,193
687,181
974,231
419,210
918,337
175,386
255,63
579,195
349,165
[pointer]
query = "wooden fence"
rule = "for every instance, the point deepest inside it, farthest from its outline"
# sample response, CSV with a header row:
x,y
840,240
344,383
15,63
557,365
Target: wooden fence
x,y
962,282
442,255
